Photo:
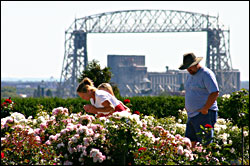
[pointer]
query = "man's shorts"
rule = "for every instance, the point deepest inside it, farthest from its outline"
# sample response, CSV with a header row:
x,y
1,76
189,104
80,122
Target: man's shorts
x,y
193,126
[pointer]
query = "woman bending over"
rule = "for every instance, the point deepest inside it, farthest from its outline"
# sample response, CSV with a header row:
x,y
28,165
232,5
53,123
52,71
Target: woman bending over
x,y
102,102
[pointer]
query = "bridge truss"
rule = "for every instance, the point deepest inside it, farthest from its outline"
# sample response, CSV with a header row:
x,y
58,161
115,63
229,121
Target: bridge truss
x,y
145,21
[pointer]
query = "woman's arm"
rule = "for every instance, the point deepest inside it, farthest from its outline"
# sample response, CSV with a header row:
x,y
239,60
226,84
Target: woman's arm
x,y
107,107
125,106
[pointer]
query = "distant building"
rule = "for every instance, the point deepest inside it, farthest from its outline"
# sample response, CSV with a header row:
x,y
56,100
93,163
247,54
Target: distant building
x,y
133,79
168,82
128,72
131,76
228,81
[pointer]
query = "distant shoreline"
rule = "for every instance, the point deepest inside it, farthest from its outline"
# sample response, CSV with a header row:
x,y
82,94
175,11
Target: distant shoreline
x,y
29,79
44,79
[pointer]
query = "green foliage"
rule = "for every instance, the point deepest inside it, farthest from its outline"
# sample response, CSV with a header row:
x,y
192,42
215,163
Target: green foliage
x,y
99,76
236,107
159,106
28,106
41,92
26,90
96,74
115,90
49,93
7,107
8,91
181,87
21,148
125,136
231,139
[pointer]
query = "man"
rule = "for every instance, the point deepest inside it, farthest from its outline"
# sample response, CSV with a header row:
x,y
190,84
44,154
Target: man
x,y
201,92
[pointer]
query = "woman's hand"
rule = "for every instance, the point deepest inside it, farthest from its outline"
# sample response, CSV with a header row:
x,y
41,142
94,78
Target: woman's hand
x,y
107,107
89,108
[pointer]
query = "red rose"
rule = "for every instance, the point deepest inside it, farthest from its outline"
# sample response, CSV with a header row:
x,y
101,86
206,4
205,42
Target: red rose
x,y
142,148
8,101
2,155
137,112
126,101
208,126
174,144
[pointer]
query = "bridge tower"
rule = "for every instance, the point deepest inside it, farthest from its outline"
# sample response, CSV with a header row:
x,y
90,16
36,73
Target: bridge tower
x,y
147,21
75,61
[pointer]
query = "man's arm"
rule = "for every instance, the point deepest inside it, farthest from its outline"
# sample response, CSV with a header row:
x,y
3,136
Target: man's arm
x,y
211,99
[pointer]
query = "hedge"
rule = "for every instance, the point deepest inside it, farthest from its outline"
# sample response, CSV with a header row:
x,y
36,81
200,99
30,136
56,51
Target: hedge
x,y
159,106
29,106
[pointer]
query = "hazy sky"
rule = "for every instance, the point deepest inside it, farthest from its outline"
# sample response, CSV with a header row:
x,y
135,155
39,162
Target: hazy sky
x,y
33,35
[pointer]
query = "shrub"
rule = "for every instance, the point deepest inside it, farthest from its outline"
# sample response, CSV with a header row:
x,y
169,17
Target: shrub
x,y
160,106
236,107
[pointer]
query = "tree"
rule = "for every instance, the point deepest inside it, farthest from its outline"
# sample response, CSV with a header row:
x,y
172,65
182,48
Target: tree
x,y
8,91
95,73
181,87
49,93
115,90
37,92
98,75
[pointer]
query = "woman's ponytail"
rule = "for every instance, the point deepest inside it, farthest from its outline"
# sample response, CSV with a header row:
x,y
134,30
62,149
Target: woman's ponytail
x,y
84,85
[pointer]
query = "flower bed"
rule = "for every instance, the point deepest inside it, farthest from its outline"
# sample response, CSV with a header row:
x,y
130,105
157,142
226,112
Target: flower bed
x,y
122,139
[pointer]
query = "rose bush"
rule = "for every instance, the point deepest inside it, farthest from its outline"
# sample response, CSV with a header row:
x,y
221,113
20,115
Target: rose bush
x,y
6,107
123,138
235,107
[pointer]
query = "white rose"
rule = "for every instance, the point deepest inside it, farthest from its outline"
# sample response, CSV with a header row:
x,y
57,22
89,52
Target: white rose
x,y
17,117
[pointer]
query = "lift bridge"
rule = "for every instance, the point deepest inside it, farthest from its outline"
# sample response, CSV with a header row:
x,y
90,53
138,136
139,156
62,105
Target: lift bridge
x,y
147,21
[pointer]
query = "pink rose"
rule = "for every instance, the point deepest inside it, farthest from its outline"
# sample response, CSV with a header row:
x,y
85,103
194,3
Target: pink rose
x,y
37,138
43,126
48,142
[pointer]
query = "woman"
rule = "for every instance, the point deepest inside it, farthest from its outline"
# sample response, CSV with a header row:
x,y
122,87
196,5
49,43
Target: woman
x,y
102,102
108,88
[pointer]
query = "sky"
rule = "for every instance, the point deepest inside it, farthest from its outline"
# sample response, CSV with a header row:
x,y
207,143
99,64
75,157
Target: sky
x,y
33,35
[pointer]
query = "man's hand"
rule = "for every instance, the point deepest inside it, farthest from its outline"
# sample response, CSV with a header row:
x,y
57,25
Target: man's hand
x,y
211,99
203,111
